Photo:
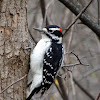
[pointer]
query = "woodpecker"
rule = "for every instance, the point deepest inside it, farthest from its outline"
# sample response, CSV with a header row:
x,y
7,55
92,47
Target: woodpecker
x,y
45,60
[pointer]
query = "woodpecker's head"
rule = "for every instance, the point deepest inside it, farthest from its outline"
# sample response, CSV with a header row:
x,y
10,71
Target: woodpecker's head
x,y
52,32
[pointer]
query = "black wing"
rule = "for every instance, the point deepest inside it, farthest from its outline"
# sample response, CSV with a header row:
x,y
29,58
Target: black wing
x,y
52,62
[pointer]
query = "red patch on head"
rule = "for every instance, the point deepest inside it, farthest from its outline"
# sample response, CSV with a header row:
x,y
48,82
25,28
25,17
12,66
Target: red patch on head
x,y
60,30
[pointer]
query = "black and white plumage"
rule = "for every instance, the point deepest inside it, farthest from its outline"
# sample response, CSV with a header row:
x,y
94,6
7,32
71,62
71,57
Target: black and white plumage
x,y
46,60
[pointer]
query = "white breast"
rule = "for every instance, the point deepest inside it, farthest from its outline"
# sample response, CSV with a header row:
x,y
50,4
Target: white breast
x,y
36,57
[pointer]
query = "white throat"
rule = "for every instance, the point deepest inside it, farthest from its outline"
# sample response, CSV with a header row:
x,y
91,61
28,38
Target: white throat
x,y
46,38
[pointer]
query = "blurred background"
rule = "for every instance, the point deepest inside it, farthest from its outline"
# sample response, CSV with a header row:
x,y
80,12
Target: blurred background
x,y
82,82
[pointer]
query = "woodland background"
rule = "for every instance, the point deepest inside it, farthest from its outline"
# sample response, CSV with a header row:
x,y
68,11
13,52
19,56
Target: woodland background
x,y
17,19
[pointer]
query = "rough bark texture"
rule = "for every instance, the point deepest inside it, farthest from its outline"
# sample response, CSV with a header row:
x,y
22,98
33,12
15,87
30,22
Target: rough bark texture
x,y
13,59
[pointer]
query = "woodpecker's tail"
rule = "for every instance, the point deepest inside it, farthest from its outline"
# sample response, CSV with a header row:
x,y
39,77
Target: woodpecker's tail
x,y
36,90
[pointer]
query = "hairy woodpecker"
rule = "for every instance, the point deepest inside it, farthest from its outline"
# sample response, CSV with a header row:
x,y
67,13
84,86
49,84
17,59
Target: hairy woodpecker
x,y
45,60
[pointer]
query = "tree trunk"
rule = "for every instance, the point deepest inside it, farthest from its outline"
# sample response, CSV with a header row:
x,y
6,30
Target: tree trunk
x,y
14,60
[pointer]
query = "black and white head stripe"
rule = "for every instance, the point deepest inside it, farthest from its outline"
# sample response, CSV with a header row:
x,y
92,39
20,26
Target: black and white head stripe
x,y
54,29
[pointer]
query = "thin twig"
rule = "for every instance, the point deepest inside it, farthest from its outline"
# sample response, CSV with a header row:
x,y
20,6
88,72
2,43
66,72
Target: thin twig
x,y
44,9
70,41
89,72
73,85
84,90
77,57
67,61
78,16
47,7
98,3
13,83
98,97
59,90
71,65
44,13
79,61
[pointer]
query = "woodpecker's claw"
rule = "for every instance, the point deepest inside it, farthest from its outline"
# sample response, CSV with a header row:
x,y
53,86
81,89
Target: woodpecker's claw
x,y
38,29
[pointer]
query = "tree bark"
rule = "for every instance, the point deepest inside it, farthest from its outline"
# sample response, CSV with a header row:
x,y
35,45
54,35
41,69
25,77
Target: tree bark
x,y
14,60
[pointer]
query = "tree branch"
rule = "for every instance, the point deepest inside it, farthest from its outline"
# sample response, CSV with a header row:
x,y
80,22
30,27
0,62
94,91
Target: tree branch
x,y
78,16
78,59
43,10
63,89
73,85
13,83
98,3
89,72
98,97
86,19
84,90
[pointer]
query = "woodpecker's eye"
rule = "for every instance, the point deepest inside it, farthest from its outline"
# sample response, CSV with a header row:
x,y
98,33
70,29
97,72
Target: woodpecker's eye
x,y
50,31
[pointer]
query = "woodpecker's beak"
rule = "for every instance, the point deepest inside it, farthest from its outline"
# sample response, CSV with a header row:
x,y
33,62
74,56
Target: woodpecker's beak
x,y
38,29
44,30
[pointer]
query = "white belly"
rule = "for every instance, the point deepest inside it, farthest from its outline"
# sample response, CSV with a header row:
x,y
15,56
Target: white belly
x,y
36,58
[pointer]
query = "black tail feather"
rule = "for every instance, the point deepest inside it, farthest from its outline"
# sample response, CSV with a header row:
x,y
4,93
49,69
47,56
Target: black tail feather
x,y
36,90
